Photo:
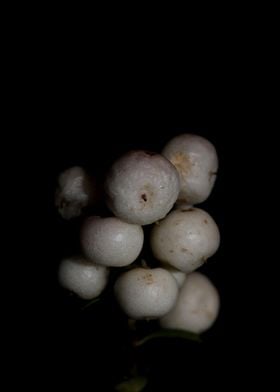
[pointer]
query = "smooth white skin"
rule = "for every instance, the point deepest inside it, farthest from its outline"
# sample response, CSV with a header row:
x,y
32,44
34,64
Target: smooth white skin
x,y
197,306
185,239
111,241
179,276
75,191
197,163
142,187
146,293
85,279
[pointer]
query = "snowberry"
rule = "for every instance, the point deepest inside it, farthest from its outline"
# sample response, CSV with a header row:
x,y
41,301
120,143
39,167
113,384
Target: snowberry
x,y
197,306
196,161
146,293
84,278
111,241
142,187
185,239
179,276
75,191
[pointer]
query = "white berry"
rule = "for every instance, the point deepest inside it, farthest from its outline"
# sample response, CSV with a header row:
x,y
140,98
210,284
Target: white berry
x,y
82,277
111,241
197,163
179,276
197,306
185,239
146,293
142,187
75,191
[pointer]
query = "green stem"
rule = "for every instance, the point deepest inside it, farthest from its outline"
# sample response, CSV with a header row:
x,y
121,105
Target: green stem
x,y
93,301
168,333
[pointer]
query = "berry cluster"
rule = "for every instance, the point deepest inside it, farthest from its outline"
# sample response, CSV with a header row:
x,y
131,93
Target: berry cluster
x,y
147,188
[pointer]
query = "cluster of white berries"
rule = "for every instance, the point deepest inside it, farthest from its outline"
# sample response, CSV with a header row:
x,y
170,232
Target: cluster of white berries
x,y
146,188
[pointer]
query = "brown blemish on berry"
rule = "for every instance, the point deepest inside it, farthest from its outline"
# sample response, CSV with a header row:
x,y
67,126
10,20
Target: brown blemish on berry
x,y
184,250
182,163
171,251
144,196
148,278
205,221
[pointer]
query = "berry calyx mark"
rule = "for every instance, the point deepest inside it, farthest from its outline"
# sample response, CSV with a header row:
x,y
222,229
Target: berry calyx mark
x,y
144,197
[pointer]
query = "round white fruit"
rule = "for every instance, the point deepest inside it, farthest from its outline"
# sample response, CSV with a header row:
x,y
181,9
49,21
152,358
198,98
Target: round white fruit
x,y
197,306
179,276
82,277
197,163
142,187
75,191
111,241
185,239
146,293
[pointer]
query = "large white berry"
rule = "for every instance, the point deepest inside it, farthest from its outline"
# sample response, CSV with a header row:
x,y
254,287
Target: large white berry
x,y
111,241
197,163
146,293
75,191
142,187
197,306
84,278
185,239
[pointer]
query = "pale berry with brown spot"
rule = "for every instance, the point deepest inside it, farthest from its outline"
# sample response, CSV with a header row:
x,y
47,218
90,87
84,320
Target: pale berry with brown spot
x,y
142,187
185,239
197,163
146,293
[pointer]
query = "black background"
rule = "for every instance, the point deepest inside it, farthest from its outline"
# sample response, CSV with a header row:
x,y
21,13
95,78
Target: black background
x,y
61,115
